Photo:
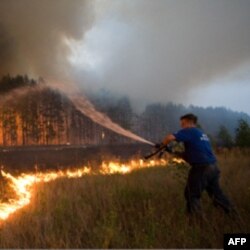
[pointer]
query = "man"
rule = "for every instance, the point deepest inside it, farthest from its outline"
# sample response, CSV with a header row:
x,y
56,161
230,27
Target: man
x,y
204,173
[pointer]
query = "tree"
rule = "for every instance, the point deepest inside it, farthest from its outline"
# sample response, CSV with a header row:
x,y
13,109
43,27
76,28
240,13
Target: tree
x,y
224,138
242,138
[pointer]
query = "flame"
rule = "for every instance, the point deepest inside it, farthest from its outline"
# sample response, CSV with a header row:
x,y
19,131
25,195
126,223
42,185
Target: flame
x,y
22,184
178,160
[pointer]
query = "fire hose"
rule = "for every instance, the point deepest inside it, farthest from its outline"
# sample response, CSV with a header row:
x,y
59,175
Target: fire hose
x,y
160,150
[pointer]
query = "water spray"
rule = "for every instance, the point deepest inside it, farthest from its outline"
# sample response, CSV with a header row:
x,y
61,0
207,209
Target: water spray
x,y
88,109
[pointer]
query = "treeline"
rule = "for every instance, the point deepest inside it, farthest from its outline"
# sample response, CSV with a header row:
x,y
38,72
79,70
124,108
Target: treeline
x,y
225,127
46,116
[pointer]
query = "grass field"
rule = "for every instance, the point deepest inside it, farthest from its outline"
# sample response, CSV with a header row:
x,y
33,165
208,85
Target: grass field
x,y
144,209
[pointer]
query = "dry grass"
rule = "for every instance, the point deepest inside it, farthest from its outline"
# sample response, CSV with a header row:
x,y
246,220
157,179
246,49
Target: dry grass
x,y
145,209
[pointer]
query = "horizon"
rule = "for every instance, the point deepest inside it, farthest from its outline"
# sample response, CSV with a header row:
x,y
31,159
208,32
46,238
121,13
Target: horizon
x,y
138,106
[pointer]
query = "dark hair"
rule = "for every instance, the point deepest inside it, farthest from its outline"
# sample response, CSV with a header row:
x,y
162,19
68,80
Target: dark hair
x,y
190,117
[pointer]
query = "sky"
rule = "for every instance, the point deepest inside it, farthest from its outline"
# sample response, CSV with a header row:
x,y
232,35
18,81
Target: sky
x,y
191,52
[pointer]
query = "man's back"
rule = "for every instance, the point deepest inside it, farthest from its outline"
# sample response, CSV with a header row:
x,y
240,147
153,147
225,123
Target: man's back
x,y
198,149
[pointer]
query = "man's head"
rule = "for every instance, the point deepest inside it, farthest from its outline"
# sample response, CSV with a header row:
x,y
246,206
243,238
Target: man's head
x,y
188,121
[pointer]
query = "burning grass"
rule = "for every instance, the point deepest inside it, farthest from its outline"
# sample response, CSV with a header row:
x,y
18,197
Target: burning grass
x,y
143,209
21,185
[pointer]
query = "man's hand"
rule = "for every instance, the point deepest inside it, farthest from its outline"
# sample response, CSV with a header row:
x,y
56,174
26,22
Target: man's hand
x,y
169,138
158,145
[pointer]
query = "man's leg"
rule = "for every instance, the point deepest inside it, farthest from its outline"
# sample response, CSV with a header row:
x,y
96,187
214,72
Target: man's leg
x,y
193,191
221,200
216,194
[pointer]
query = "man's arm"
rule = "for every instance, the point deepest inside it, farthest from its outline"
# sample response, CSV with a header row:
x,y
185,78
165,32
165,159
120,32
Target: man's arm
x,y
169,138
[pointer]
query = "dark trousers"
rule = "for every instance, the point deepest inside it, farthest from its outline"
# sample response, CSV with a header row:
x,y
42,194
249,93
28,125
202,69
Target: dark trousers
x,y
200,178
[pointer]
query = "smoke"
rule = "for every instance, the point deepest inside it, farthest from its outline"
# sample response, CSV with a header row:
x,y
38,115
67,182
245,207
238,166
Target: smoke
x,y
34,37
19,93
33,33
154,50
161,50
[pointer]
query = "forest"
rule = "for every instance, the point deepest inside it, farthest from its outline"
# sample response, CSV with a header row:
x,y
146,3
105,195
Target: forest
x,y
48,117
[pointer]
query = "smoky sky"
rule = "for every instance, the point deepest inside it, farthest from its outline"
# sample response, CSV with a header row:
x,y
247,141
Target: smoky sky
x,y
162,50
33,34
151,50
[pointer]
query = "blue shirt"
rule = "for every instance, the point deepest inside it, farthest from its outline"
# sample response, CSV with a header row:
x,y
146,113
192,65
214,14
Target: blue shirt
x,y
198,149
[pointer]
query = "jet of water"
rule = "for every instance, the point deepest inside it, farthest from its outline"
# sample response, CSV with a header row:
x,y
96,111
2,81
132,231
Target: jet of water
x,y
88,109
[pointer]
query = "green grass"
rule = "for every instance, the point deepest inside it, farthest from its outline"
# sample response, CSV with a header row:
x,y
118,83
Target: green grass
x,y
145,209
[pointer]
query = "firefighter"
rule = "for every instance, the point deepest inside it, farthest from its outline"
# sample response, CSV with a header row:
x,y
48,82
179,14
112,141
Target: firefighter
x,y
204,173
